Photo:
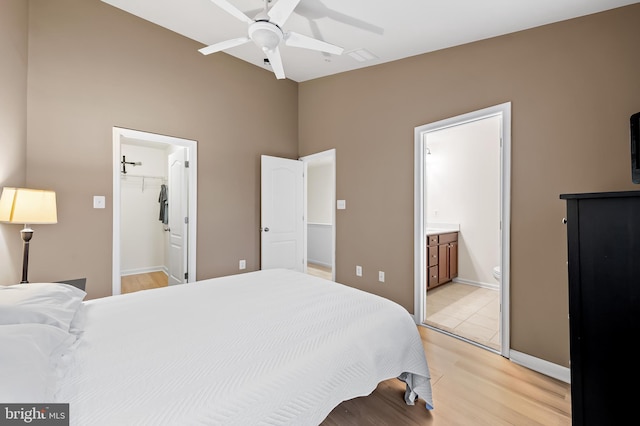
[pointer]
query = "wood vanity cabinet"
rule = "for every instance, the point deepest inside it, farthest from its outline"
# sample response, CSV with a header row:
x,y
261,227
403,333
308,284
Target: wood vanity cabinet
x,y
603,241
442,262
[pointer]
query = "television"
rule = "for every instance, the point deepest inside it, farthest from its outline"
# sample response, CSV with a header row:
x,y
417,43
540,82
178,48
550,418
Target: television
x,y
635,147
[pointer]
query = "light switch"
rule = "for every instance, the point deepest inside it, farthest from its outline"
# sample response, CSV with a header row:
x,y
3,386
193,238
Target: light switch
x,y
98,202
342,204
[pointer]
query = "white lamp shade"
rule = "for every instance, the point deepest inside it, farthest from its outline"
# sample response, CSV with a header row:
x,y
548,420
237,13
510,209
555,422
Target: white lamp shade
x,y
28,206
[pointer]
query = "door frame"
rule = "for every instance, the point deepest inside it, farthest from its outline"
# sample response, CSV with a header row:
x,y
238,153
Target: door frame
x,y
121,134
420,133
330,155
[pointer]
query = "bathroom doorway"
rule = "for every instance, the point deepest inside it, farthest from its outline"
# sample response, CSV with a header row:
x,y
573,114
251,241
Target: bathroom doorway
x,y
462,169
154,210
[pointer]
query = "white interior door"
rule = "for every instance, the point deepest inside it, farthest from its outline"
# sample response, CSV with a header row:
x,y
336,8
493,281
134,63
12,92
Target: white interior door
x,y
282,213
178,216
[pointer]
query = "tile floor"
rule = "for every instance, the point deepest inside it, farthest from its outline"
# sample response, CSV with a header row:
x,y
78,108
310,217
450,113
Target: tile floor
x,y
468,311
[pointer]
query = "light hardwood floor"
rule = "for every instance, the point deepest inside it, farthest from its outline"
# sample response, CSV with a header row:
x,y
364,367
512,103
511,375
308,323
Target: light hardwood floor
x,y
319,271
137,282
471,386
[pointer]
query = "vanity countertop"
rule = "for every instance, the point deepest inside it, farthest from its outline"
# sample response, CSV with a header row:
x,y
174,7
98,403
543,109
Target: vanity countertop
x,y
441,228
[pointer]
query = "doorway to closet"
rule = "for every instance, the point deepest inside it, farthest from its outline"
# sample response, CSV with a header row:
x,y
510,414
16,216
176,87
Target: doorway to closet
x,y
154,210
462,187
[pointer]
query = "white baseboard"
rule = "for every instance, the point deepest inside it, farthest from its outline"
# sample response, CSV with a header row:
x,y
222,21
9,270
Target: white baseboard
x,y
145,270
490,286
541,366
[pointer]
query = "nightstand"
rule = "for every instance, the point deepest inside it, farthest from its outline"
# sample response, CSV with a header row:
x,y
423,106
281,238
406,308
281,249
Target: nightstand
x,y
78,282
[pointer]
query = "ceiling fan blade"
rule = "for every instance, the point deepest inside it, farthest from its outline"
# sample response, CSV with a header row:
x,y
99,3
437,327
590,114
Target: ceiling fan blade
x,y
299,40
276,62
315,30
232,10
280,12
223,45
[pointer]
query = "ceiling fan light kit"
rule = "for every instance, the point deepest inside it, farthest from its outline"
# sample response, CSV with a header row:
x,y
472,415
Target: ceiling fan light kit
x,y
266,35
266,32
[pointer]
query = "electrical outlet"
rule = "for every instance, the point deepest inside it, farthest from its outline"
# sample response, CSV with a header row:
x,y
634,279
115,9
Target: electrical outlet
x,y
243,264
381,276
358,271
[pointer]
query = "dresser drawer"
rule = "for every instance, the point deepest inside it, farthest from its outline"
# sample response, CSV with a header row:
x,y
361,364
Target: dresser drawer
x,y
432,240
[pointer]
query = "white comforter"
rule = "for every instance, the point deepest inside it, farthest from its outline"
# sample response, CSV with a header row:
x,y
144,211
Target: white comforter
x,y
270,347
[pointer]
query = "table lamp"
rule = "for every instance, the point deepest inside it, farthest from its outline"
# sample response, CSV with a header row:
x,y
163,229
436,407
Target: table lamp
x,y
27,207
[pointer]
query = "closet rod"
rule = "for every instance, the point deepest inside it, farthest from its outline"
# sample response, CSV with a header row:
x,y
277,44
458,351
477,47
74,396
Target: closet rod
x,y
143,176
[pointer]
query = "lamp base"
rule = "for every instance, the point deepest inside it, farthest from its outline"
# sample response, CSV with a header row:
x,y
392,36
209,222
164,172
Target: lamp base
x,y
26,233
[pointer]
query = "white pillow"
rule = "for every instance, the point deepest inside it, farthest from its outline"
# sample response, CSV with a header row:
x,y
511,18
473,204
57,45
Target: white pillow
x,y
29,359
40,303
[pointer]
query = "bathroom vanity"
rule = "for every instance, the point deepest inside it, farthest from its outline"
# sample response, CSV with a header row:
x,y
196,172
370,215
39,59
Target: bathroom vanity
x,y
442,256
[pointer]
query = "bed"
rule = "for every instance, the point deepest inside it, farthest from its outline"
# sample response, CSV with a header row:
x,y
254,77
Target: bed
x,y
267,347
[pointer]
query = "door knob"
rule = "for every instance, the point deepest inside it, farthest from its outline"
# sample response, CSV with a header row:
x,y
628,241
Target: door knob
x,y
266,229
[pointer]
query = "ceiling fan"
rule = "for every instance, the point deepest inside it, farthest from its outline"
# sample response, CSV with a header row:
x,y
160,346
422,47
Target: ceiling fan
x,y
265,30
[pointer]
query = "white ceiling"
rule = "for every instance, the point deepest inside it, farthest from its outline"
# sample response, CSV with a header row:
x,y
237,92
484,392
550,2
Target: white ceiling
x,y
390,30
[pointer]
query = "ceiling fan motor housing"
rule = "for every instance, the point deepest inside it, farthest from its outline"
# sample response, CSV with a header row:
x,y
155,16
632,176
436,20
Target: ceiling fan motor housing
x,y
265,34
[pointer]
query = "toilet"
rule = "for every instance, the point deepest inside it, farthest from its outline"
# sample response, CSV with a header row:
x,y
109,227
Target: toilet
x,y
496,273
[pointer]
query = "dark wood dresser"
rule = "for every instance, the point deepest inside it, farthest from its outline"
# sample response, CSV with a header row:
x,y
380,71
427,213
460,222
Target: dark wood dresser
x,y
603,231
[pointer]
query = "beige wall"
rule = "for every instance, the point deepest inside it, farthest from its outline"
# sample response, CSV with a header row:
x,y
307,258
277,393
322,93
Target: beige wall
x,y
92,67
13,124
573,86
